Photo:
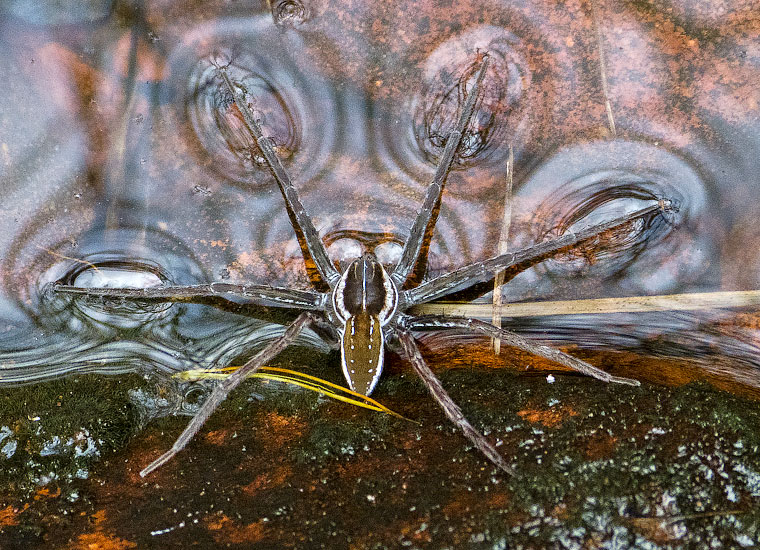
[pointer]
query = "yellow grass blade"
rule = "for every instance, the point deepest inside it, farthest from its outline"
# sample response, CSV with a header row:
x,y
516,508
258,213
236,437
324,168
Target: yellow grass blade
x,y
302,380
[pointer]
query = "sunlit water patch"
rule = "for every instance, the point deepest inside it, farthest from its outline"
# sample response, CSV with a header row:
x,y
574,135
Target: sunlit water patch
x,y
117,313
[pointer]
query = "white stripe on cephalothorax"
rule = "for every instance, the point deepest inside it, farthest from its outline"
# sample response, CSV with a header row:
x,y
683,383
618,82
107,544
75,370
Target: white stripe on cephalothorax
x,y
391,299
338,303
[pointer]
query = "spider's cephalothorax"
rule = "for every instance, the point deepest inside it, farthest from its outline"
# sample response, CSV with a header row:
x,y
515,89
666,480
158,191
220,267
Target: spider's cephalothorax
x,y
365,300
366,305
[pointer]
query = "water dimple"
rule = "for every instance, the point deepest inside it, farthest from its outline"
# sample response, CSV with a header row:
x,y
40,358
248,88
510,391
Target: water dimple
x,y
611,196
117,274
219,124
500,114
290,13
119,258
193,398
600,181
117,312
295,106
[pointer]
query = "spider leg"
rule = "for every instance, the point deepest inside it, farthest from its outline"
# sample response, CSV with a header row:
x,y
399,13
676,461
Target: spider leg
x,y
221,390
452,410
432,322
314,244
480,272
433,195
257,294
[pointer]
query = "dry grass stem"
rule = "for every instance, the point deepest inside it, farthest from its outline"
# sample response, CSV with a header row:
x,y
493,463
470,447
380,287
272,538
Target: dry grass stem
x,y
603,68
629,304
503,247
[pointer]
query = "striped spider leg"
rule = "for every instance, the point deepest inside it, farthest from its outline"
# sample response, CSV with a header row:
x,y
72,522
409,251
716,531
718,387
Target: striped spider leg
x,y
365,305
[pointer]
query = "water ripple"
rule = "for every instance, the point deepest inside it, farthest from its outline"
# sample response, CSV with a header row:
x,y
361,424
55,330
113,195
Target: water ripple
x,y
295,108
594,181
500,117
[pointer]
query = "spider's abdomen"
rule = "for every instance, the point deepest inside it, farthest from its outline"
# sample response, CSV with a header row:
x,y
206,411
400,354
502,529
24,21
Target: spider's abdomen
x,y
361,347
365,300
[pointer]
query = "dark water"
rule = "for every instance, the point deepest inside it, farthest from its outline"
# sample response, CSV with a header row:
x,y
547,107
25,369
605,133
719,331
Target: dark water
x,y
122,164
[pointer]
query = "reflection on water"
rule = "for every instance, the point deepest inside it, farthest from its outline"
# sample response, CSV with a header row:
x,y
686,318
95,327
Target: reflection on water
x,y
123,163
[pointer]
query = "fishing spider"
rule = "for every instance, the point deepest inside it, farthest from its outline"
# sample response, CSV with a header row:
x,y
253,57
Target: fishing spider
x,y
364,309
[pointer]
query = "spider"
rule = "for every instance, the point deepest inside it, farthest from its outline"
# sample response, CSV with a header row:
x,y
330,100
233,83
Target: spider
x,y
365,309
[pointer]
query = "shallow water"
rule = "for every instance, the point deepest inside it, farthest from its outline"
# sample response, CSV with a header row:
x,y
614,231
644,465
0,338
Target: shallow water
x,y
122,163
121,156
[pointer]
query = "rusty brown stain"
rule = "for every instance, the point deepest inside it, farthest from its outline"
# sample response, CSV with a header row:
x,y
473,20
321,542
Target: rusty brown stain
x,y
100,541
461,506
268,480
498,500
279,430
84,80
226,531
551,417
658,530
217,437
151,67
599,446
560,511
100,538
724,373
415,530
47,492
9,515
